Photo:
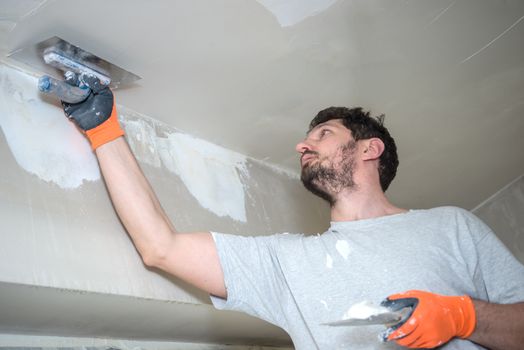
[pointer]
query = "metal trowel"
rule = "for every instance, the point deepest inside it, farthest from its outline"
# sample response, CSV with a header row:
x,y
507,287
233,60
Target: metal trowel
x,y
386,318
57,57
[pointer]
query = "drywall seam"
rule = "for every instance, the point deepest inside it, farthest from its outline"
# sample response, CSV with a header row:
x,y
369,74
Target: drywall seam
x,y
291,12
494,195
278,169
76,291
34,10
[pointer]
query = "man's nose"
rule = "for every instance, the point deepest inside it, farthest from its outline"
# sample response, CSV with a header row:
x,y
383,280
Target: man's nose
x,y
302,146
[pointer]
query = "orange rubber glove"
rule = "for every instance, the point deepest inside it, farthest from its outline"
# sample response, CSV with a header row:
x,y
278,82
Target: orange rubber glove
x,y
105,132
97,115
434,320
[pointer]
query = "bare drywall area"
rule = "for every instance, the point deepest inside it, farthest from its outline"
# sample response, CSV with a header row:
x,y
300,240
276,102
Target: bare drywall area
x,y
25,342
503,212
60,232
72,313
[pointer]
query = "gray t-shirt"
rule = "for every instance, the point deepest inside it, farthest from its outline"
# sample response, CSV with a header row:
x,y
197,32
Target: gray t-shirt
x,y
298,282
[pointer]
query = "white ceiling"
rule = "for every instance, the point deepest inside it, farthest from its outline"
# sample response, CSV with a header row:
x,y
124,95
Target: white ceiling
x,y
249,75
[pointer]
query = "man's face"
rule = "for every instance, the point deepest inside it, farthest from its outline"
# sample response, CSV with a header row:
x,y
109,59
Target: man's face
x,y
328,159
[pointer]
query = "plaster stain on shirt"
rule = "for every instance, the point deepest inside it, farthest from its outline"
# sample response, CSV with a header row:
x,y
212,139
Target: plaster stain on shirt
x,y
343,248
323,302
329,261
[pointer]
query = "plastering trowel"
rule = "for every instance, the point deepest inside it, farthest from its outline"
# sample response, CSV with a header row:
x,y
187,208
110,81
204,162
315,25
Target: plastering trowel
x,y
366,313
57,57
385,318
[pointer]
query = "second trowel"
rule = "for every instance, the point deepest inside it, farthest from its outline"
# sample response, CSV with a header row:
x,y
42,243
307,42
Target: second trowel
x,y
385,318
365,313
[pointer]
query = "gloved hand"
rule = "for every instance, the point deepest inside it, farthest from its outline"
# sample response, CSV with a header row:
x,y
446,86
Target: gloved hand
x,y
96,115
434,320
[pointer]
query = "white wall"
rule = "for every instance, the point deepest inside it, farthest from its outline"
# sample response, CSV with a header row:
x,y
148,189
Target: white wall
x,y
24,342
67,266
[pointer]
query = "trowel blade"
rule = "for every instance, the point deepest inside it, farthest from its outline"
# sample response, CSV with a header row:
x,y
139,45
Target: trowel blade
x,y
33,55
385,318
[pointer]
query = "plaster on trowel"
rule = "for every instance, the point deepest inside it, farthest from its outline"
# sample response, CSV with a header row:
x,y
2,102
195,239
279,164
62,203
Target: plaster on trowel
x,y
56,57
365,313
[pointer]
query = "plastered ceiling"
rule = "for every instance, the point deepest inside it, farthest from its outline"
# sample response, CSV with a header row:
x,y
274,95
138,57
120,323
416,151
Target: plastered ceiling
x,y
249,75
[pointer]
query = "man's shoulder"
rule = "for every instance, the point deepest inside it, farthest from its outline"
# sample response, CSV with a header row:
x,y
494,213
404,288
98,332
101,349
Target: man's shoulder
x,y
461,220
258,238
447,211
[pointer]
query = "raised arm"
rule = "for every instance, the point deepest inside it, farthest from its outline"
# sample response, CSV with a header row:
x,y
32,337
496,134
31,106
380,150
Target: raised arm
x,y
189,256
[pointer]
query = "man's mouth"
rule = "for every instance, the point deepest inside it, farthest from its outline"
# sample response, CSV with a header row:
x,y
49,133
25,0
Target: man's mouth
x,y
306,157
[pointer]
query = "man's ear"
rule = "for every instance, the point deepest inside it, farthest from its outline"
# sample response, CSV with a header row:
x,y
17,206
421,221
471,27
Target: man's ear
x,y
373,149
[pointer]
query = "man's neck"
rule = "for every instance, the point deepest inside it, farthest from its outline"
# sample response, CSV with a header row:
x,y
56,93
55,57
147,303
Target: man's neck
x,y
362,204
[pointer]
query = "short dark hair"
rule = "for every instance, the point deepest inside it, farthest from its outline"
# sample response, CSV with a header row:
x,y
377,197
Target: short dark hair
x,y
364,127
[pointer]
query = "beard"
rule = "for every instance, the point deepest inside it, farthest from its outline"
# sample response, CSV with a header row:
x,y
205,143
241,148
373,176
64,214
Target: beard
x,y
327,179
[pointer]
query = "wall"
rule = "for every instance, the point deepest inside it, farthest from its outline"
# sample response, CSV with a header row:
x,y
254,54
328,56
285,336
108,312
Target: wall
x,y
18,342
503,213
67,266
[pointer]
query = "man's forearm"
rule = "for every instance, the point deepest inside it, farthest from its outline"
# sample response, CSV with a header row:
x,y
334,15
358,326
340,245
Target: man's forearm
x,y
134,199
499,326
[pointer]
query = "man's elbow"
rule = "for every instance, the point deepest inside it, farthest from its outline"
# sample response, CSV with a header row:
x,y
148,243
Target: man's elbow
x,y
155,250
155,256
150,259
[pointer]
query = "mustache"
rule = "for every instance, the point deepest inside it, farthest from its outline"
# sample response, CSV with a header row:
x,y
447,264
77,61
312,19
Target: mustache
x,y
305,153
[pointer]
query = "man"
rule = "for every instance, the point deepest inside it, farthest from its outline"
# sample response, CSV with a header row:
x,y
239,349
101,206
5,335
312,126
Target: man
x,y
464,287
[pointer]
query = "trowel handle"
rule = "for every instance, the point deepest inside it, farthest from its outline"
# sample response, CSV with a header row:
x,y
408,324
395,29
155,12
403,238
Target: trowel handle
x,y
64,91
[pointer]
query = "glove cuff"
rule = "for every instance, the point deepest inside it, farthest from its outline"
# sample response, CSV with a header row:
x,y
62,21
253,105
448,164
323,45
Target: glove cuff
x,y
469,317
105,132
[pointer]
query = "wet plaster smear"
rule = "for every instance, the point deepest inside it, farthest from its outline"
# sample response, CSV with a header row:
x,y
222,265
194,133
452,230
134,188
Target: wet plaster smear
x,y
52,149
56,214
211,173
40,140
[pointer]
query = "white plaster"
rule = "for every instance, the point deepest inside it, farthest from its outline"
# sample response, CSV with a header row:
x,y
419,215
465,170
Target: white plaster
x,y
291,12
211,173
40,138
363,310
343,248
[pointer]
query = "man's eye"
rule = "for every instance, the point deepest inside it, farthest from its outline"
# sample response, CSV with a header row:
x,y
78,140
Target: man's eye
x,y
323,132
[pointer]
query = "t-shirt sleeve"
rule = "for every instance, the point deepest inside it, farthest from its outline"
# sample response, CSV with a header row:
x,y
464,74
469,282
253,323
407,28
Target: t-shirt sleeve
x,y
498,272
252,275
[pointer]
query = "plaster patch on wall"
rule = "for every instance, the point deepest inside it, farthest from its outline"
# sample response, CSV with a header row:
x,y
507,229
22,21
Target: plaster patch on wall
x,y
40,138
291,12
212,174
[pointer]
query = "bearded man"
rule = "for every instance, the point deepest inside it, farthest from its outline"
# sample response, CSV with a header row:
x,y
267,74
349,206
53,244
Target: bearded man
x,y
462,288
